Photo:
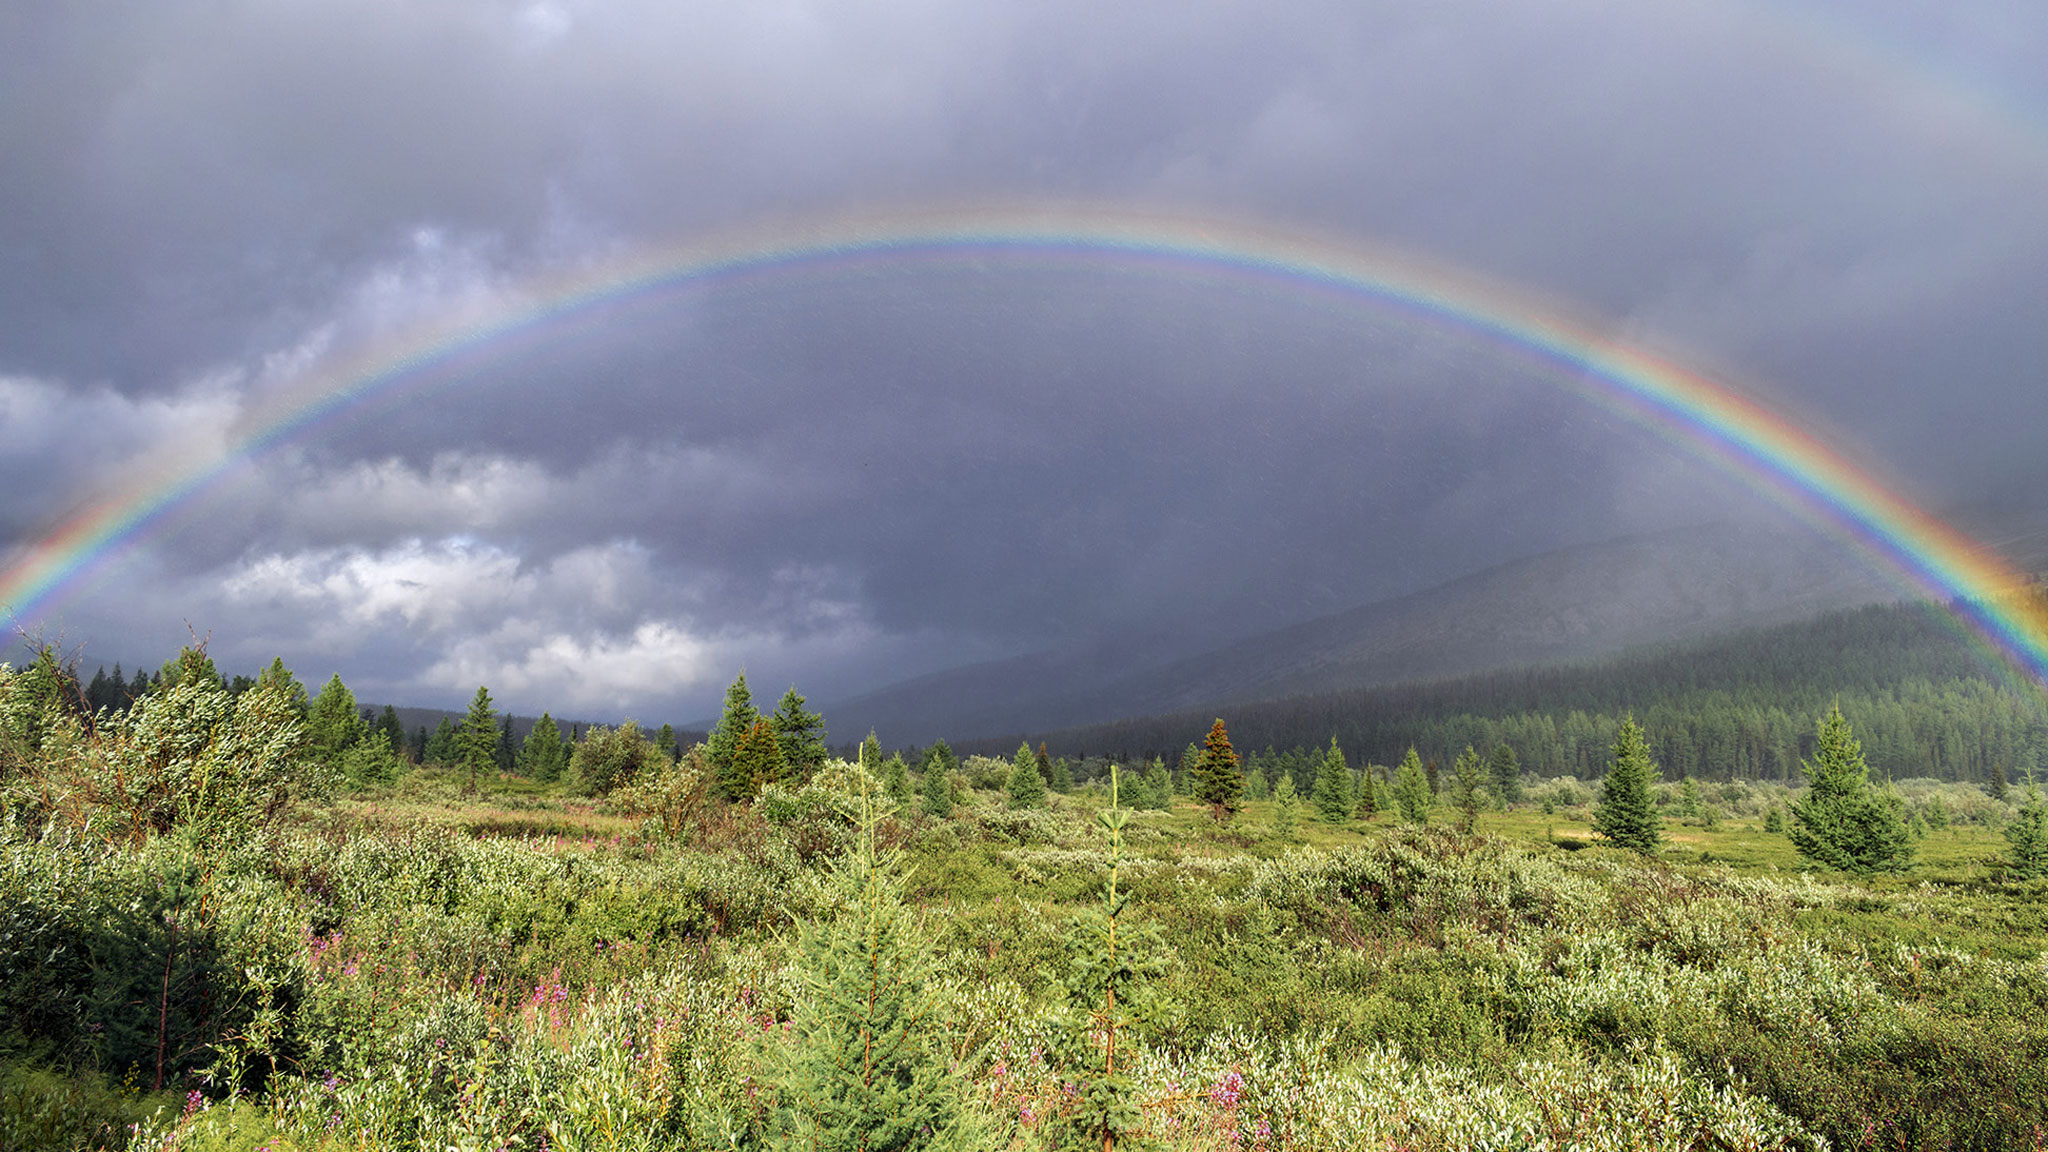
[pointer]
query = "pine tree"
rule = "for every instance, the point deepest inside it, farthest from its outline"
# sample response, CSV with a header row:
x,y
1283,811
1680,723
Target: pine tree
x,y
1412,795
1369,785
756,760
392,727
1184,774
940,755
1689,801
1159,785
2027,836
1467,789
332,725
801,735
507,750
1626,814
1286,808
1218,783
440,747
1026,787
542,757
866,1070
477,740
1504,772
1841,821
936,795
896,780
739,716
1108,993
1256,784
1332,796
666,741
1061,777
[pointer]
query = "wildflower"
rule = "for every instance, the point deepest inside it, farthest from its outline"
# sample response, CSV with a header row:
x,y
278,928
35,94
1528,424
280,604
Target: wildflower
x,y
1227,1090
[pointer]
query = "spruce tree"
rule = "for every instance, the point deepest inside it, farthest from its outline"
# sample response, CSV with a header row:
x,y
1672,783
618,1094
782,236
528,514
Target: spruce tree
x,y
936,796
738,718
1061,778
542,757
1412,795
2027,838
1369,787
1626,814
508,746
1218,783
1286,808
1184,773
332,725
940,754
1159,785
1504,774
441,747
866,1069
392,727
756,760
1026,787
1841,821
1332,796
801,733
1467,789
477,740
896,780
870,754
1256,784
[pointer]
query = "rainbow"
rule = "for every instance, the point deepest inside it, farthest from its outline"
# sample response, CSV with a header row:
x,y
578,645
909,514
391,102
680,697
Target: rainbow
x,y
1790,463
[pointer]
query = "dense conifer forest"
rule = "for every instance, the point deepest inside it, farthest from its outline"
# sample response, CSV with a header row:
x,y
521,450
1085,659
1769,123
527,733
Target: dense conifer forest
x,y
1927,701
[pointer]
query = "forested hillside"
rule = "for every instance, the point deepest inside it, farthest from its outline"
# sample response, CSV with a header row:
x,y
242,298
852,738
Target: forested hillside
x,y
1925,698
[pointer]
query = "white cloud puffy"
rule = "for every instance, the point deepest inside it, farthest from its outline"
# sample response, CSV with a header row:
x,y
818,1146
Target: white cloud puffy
x,y
601,671
597,628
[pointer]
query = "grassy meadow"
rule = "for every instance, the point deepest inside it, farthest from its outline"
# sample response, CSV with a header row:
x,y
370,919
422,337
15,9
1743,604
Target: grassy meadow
x,y
407,966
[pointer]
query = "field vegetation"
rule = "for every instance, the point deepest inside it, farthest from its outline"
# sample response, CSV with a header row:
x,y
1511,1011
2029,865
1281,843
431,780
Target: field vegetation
x,y
212,937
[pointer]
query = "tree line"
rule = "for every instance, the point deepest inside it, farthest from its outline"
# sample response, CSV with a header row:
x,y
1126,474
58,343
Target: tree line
x,y
1925,701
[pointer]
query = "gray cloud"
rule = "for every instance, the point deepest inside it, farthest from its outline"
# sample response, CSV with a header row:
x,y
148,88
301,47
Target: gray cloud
x,y
844,479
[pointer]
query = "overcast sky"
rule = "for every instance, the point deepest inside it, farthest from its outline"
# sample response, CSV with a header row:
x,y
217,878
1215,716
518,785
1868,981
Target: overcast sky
x,y
843,479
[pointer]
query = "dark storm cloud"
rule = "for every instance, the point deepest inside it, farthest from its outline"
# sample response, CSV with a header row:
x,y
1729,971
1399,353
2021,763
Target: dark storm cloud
x,y
844,479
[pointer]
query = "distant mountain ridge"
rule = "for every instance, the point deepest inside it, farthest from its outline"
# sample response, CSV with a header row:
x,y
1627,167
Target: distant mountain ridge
x,y
1571,604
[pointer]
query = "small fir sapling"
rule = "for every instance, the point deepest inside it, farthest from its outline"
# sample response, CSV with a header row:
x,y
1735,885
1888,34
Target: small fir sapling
x,y
1286,808
1109,990
866,1069
1026,787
